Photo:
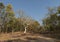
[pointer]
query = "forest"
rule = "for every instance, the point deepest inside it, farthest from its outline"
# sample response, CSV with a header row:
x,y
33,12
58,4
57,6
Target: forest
x,y
9,22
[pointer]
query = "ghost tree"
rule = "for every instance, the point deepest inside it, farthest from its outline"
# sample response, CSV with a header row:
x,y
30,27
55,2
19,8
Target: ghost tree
x,y
24,19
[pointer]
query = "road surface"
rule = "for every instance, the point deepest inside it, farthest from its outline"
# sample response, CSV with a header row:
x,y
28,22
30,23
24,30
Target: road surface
x,y
28,37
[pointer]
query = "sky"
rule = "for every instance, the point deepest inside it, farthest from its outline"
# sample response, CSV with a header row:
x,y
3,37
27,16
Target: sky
x,y
37,9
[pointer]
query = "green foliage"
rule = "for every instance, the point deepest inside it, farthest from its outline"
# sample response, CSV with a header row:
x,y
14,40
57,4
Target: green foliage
x,y
10,23
34,27
2,6
52,22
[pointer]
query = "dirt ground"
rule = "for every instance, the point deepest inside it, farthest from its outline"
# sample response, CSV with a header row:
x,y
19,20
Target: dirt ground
x,y
28,37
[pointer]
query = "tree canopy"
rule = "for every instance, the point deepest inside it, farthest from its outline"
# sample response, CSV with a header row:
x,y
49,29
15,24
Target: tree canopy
x,y
11,23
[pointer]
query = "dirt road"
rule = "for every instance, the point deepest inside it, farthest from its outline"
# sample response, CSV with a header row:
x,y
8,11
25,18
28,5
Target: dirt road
x,y
28,37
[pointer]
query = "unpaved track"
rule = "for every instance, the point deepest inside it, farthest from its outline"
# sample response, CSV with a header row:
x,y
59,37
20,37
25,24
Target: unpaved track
x,y
28,37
